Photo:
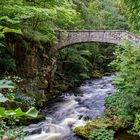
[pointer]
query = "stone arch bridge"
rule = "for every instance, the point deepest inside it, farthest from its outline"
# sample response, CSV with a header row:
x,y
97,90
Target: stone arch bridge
x,y
70,37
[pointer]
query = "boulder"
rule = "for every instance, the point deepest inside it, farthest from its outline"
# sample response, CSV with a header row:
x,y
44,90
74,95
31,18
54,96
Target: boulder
x,y
115,124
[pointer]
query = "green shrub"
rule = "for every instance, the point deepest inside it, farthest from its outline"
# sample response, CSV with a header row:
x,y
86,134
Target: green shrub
x,y
82,61
9,118
12,134
102,134
126,102
24,100
7,63
136,127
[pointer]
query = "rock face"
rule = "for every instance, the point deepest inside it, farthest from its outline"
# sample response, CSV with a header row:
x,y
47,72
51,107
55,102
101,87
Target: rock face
x,y
33,60
34,65
100,123
37,72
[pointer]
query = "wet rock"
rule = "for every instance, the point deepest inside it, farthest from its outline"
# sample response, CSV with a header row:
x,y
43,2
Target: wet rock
x,y
61,87
6,138
36,131
100,123
29,120
43,85
96,74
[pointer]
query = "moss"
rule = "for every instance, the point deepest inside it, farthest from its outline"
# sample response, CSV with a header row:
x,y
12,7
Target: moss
x,y
97,74
29,120
100,123
61,87
82,131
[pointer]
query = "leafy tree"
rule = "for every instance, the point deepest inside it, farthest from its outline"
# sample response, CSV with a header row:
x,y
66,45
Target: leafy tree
x,y
106,15
73,61
85,60
96,14
38,17
132,11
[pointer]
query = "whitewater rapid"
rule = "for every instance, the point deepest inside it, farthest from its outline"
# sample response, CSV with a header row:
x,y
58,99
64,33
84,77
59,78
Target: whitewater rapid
x,y
72,109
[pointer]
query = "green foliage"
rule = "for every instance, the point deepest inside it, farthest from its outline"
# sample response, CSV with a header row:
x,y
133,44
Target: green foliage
x,y
117,106
14,78
3,99
4,30
40,18
9,118
82,61
6,84
72,61
104,14
24,100
136,127
132,10
13,133
102,134
9,30
7,63
125,103
14,95
32,112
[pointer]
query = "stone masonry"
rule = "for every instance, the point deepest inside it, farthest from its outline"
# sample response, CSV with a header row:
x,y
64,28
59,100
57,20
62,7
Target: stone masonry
x,y
70,37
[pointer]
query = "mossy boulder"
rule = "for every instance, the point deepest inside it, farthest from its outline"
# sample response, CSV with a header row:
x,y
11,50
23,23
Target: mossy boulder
x,y
97,74
59,89
30,120
100,123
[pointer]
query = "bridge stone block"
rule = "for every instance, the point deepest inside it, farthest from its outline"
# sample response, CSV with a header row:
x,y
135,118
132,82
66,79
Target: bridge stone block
x,y
105,36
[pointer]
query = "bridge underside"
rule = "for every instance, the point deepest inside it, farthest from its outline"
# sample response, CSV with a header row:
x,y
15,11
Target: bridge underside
x,y
70,45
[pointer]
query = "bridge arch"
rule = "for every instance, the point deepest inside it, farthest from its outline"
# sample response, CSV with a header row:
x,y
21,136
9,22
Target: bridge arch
x,y
71,37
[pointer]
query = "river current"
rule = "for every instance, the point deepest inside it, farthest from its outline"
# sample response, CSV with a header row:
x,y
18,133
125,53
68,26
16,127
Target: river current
x,y
72,109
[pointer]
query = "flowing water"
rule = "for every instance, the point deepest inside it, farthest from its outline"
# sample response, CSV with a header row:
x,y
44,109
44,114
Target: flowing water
x,y
72,109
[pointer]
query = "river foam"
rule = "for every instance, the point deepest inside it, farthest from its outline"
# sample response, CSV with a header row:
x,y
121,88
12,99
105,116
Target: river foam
x,y
74,108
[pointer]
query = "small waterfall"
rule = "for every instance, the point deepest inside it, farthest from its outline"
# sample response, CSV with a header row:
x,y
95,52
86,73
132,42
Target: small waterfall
x,y
74,108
